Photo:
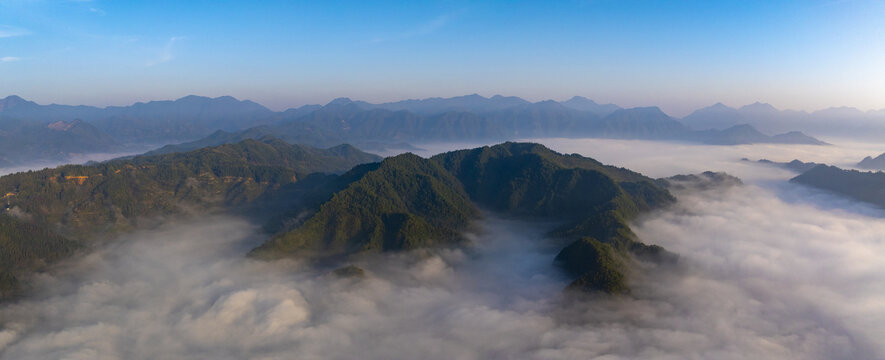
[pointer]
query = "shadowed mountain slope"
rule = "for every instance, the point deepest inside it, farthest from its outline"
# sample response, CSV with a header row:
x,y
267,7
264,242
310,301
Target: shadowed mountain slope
x,y
407,202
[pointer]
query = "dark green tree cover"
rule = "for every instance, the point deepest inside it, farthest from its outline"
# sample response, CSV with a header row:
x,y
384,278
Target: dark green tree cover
x,y
27,246
599,265
349,271
86,199
703,181
407,202
593,200
863,186
403,202
527,177
45,211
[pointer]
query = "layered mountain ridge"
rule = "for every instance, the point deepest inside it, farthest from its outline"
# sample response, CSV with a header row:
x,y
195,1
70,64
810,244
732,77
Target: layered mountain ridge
x,y
196,121
835,121
873,163
344,120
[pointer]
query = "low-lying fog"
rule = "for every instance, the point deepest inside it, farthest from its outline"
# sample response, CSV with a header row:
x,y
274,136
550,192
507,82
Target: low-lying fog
x,y
74,159
769,270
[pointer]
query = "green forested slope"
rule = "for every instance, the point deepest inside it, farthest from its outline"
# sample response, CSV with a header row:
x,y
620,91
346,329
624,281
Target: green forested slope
x,y
404,202
48,213
592,200
407,202
863,186
25,246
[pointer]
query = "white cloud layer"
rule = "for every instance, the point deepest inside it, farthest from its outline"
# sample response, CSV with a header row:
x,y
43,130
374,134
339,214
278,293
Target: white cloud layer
x,y
770,270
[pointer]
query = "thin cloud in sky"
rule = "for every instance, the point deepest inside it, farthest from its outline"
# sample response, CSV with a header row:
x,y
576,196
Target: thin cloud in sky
x,y
433,25
12,31
166,54
425,29
9,59
97,11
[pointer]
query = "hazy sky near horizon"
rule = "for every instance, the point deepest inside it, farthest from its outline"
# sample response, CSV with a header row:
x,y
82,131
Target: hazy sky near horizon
x,y
679,55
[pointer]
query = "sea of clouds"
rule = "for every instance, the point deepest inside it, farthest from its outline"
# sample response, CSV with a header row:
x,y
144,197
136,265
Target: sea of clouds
x,y
767,270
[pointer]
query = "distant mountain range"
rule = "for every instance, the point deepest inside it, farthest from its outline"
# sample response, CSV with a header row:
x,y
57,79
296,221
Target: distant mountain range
x,y
201,121
873,163
51,142
864,186
838,121
157,121
473,117
796,165
488,119
868,163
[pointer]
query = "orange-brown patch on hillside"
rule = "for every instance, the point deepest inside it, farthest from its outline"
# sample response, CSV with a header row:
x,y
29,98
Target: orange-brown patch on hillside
x,y
80,179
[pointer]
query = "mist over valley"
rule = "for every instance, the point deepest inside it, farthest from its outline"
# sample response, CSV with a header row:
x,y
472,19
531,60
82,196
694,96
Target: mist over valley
x,y
185,289
442,180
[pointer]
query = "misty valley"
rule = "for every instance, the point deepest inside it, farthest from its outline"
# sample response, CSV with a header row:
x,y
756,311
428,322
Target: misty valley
x,y
261,248
442,180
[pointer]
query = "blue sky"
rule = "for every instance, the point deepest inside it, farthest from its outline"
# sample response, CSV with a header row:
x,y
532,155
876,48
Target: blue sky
x,y
679,55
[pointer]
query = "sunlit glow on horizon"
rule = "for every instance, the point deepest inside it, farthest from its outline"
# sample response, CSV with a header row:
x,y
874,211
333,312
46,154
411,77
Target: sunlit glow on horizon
x,y
677,55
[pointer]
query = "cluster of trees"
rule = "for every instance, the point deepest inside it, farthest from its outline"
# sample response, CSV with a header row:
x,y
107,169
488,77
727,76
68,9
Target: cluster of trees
x,y
407,202
863,186
403,202
48,213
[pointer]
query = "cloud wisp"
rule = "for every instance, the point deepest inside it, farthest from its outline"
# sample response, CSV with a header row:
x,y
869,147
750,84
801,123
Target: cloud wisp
x,y
429,27
7,31
166,53
10,59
